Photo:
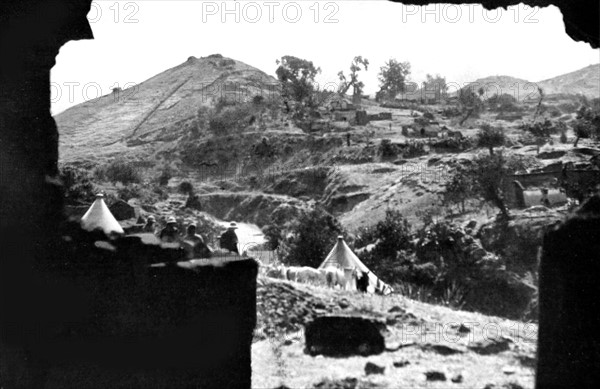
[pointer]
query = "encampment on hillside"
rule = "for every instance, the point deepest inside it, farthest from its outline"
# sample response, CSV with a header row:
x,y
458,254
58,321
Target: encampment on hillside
x,y
342,257
99,216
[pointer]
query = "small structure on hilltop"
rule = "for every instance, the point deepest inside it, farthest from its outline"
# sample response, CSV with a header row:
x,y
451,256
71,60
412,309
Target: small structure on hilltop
x,y
339,103
429,130
98,216
420,96
341,257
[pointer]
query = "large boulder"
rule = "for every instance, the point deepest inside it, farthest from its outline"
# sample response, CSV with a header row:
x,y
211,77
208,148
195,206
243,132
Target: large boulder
x,y
338,335
121,210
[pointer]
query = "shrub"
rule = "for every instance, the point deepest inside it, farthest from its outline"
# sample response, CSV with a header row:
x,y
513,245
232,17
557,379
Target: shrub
x,y
423,273
272,236
563,137
428,115
421,121
77,184
568,107
230,118
451,112
129,192
459,188
488,173
527,139
490,137
313,235
186,187
543,129
258,100
453,144
391,237
119,171
387,149
414,149
147,194
554,112
165,176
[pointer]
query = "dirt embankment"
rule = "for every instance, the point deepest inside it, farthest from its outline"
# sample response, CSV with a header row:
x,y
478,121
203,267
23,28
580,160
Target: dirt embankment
x,y
442,348
252,207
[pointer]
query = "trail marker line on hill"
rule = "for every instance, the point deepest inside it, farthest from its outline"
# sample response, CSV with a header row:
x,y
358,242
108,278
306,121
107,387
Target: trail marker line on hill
x,y
155,108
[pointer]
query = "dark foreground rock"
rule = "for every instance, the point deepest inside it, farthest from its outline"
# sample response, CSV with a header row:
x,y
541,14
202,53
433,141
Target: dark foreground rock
x,y
343,336
568,341
109,314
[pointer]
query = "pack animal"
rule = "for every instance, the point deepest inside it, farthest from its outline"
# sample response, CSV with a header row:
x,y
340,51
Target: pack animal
x,y
307,275
333,276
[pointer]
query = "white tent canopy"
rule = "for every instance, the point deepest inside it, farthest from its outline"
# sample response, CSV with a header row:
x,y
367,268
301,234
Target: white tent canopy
x,y
99,216
341,257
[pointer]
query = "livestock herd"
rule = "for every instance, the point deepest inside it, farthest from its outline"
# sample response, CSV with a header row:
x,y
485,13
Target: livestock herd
x,y
330,277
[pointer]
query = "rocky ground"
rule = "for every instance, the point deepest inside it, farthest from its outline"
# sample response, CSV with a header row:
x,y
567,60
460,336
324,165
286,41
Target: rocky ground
x,y
436,347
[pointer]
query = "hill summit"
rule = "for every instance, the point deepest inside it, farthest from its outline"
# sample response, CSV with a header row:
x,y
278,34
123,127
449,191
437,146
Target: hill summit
x,y
160,110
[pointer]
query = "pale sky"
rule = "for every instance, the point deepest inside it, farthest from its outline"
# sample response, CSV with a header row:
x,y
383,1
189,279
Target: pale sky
x,y
135,40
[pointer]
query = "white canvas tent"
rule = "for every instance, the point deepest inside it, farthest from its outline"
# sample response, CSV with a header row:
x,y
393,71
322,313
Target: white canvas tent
x,y
341,257
99,216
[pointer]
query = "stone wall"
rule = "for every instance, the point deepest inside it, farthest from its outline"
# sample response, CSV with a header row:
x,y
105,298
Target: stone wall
x,y
78,310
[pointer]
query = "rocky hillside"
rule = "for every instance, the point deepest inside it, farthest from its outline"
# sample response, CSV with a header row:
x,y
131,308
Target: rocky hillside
x,y
584,81
156,113
516,87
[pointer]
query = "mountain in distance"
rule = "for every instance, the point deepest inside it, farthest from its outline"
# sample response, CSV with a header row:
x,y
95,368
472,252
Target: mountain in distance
x,y
158,111
499,85
585,81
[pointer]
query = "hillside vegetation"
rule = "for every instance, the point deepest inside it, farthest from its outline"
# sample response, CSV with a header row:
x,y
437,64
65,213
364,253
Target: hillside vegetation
x,y
214,139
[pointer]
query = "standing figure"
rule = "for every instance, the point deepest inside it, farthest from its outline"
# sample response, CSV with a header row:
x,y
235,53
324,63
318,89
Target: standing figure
x,y
544,200
194,244
170,234
229,239
362,282
150,225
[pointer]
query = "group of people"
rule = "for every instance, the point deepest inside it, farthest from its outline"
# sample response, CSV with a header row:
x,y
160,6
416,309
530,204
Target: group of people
x,y
192,242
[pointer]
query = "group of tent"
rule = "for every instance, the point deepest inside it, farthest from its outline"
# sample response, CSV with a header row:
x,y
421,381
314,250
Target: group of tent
x,y
98,216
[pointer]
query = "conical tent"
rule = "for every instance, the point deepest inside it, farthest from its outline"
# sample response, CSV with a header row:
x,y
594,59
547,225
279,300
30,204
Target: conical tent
x,y
342,257
99,216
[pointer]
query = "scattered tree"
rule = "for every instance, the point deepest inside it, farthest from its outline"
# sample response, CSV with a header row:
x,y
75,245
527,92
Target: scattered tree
x,y
470,103
587,123
355,67
391,237
540,108
437,84
297,77
313,236
489,173
392,78
490,137
459,188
